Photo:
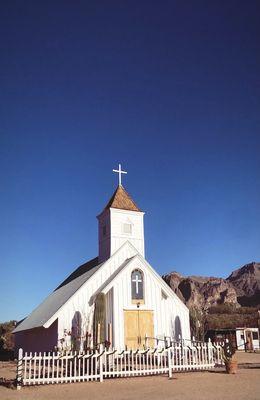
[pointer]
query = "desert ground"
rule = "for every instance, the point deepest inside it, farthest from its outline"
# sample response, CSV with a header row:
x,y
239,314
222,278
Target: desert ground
x,y
213,385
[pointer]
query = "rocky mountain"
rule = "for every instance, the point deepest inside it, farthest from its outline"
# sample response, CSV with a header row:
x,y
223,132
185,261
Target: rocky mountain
x,y
242,287
246,281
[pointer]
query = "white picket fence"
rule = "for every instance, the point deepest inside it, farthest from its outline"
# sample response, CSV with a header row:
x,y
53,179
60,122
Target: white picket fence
x,y
50,368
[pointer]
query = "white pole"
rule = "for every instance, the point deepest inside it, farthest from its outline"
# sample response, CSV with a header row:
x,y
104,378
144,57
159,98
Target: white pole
x,y
119,174
101,362
19,369
169,362
210,355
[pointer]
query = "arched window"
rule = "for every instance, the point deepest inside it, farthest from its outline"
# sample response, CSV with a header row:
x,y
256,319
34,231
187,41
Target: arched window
x,y
137,285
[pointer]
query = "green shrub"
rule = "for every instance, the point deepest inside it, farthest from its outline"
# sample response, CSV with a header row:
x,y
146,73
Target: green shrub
x,y
6,336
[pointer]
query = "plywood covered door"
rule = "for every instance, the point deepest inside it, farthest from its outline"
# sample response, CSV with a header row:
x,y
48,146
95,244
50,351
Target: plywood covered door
x,y
131,329
146,328
138,325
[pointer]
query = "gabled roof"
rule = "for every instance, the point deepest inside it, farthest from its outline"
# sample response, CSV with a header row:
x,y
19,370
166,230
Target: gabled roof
x,y
122,200
107,284
43,315
112,276
46,312
60,296
87,267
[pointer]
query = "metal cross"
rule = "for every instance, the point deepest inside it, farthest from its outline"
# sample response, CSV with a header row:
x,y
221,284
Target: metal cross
x,y
120,172
136,280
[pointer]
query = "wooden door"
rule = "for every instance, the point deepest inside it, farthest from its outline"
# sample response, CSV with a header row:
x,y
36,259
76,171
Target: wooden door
x,y
138,324
146,328
131,329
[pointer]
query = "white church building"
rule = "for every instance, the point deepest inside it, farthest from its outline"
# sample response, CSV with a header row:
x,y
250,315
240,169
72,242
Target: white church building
x,y
116,297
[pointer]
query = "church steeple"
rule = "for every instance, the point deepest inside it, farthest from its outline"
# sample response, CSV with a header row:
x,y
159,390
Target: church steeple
x,y
122,200
121,220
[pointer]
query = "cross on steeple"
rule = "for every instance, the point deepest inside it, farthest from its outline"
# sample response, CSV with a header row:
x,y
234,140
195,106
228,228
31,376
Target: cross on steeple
x,y
120,172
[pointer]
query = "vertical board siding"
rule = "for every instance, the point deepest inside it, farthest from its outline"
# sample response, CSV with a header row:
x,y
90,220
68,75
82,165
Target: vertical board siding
x,y
82,300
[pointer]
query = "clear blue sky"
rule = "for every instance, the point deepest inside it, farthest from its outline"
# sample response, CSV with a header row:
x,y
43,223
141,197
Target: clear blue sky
x,y
171,90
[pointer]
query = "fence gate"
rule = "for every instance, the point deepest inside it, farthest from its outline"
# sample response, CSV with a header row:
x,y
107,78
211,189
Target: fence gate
x,y
136,362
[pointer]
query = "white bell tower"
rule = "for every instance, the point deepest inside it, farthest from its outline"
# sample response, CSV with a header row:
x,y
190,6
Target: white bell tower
x,y
120,221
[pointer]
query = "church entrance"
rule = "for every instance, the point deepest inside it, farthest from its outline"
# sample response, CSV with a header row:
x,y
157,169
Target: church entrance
x,y
138,326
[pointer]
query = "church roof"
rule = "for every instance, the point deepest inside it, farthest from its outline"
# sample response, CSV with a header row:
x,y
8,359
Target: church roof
x,y
122,200
45,313
86,267
56,299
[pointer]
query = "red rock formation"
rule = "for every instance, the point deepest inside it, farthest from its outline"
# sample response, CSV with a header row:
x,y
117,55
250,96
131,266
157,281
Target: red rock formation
x,y
241,287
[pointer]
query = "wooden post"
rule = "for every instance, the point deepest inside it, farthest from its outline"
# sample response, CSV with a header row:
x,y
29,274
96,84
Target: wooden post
x,y
19,369
98,334
169,362
145,340
101,348
210,355
110,336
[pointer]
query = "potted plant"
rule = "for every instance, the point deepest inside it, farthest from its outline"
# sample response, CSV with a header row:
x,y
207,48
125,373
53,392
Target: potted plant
x,y
229,358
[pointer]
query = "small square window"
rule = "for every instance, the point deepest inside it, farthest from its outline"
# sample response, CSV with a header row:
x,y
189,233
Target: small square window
x,y
127,228
255,335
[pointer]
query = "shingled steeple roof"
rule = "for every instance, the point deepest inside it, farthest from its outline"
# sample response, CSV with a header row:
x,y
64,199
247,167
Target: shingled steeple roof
x,y
122,200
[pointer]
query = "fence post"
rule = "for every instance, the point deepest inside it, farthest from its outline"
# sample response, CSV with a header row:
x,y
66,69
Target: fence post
x,y
169,362
210,353
98,334
101,362
19,369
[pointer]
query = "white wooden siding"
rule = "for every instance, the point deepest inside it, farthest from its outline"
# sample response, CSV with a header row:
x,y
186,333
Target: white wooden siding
x,y
115,237
165,311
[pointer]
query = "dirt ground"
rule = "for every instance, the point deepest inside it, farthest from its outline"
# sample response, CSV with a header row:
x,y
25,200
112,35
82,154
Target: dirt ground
x,y
214,385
